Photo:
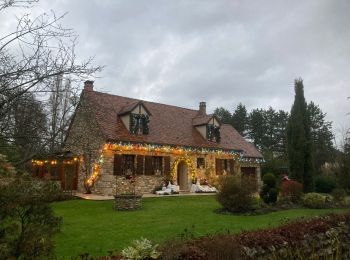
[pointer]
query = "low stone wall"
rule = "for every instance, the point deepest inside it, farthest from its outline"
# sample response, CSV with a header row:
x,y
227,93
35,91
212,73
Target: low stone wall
x,y
128,202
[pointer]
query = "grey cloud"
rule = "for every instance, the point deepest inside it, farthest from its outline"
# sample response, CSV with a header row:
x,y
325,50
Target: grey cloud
x,y
224,52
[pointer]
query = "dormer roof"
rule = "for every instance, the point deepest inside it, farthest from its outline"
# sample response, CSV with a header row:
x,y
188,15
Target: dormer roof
x,y
204,120
130,107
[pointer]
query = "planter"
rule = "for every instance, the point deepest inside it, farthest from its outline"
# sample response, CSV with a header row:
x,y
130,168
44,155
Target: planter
x,y
128,202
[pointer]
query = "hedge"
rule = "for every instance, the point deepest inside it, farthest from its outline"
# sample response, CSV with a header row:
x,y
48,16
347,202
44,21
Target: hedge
x,y
321,238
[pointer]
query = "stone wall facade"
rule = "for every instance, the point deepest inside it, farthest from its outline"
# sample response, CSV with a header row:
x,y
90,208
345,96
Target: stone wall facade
x,y
85,140
109,184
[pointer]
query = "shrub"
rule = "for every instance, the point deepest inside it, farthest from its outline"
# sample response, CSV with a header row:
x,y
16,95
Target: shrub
x,y
269,192
325,184
292,190
319,238
314,200
339,195
273,194
27,222
269,180
141,249
236,193
6,169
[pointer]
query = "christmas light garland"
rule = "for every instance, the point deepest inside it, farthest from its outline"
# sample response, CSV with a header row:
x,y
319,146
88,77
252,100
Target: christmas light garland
x,y
176,150
252,160
189,163
36,162
96,170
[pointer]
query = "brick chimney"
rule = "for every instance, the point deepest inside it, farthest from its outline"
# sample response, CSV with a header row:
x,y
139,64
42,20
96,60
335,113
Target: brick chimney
x,y
202,108
89,85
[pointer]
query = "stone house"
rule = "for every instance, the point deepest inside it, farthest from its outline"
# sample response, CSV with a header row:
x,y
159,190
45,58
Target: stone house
x,y
117,137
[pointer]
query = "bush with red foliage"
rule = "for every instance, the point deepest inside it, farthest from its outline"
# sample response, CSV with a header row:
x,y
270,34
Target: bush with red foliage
x,y
292,190
319,238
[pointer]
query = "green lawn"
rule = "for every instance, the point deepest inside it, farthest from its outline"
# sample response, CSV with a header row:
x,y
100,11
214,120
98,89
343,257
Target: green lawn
x,y
94,227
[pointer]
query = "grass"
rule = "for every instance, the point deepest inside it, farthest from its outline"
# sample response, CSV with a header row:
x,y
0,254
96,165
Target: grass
x,y
94,227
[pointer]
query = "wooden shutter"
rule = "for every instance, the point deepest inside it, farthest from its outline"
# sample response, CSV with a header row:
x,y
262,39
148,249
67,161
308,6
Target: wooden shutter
x,y
139,164
118,163
218,166
167,165
149,165
232,166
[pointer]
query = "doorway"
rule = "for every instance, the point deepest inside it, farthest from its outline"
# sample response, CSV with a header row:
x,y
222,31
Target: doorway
x,y
182,175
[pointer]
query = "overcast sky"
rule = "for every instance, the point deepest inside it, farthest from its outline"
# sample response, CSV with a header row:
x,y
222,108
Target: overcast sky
x,y
221,52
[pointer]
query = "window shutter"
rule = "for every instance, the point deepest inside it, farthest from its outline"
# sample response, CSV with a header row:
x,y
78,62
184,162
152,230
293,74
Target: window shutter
x,y
149,165
118,162
218,166
232,166
139,165
167,165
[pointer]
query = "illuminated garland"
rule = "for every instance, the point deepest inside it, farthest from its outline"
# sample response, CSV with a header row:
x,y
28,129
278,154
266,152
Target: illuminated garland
x,y
54,162
95,174
176,150
251,160
189,163
96,170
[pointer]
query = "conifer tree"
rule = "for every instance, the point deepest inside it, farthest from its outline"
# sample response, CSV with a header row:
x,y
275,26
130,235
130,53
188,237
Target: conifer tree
x,y
299,140
240,119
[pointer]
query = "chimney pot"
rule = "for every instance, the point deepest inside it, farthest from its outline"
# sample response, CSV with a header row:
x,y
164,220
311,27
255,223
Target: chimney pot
x,y
89,85
202,108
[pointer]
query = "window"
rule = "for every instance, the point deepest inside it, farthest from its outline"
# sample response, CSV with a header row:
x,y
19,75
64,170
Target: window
x,y
128,164
218,166
157,165
222,165
124,164
200,163
226,165
213,133
139,124
153,165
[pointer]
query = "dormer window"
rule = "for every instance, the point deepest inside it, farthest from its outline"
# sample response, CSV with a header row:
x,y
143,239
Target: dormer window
x,y
213,133
135,117
207,125
139,124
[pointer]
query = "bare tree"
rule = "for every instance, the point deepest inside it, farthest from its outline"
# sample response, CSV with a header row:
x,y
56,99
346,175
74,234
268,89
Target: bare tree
x,y
40,49
60,107
38,57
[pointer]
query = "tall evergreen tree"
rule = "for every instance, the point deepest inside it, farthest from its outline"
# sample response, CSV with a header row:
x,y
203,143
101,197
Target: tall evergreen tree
x,y
299,140
321,137
344,171
224,115
240,119
257,130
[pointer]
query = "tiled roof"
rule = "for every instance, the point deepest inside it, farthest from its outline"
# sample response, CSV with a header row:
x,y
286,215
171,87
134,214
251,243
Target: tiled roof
x,y
169,125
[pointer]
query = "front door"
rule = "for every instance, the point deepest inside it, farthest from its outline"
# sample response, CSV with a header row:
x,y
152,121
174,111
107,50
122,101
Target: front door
x,y
182,175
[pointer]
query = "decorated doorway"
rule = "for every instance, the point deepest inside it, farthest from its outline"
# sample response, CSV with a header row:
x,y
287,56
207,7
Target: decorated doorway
x,y
183,171
182,175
